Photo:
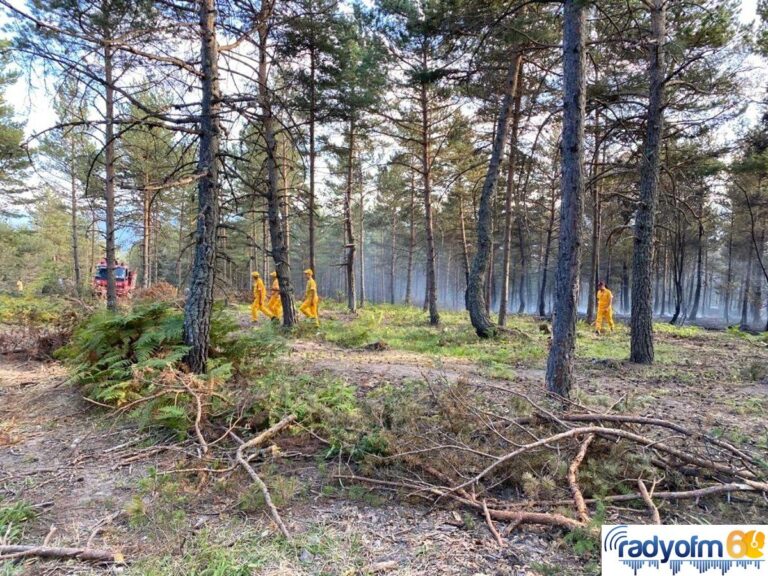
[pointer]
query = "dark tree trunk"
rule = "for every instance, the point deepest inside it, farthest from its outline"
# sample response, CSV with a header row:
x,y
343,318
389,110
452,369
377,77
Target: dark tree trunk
x,y
426,164
392,258
641,324
349,240
699,272
73,219
744,322
464,247
146,238
312,155
547,251
476,290
560,361
506,253
276,227
199,303
109,188
411,242
362,240
594,261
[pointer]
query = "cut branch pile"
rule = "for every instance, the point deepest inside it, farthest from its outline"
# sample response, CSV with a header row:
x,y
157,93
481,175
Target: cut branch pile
x,y
456,446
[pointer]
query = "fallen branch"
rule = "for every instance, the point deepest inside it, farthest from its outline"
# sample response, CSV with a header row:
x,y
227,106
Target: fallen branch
x,y
649,502
491,527
573,482
256,442
84,554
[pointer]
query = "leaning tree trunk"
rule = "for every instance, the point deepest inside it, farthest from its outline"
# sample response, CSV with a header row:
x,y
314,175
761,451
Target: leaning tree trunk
x,y
109,188
276,227
560,361
476,290
641,324
199,303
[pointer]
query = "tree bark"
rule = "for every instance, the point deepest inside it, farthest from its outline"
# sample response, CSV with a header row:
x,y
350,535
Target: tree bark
x,y
411,242
699,271
276,228
560,362
547,251
426,162
312,154
199,303
109,189
361,228
744,322
392,257
641,325
476,290
506,251
73,217
349,240
145,240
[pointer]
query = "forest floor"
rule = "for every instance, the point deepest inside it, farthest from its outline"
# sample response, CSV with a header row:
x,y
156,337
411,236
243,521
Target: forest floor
x,y
105,481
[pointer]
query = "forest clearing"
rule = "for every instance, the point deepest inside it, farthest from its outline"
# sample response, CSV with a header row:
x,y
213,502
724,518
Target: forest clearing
x,y
409,287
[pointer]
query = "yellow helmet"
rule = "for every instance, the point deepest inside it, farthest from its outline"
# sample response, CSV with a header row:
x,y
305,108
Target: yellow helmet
x,y
255,274
273,275
309,271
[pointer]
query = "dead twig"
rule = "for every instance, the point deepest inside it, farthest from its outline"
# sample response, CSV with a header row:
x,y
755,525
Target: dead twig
x,y
573,482
491,527
649,502
255,443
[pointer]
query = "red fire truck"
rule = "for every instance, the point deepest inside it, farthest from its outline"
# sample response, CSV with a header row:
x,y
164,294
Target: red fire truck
x,y
125,280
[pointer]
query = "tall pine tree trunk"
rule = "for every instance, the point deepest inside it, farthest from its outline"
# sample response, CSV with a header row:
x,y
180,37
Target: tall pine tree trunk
x,y
312,153
392,257
73,220
109,189
560,362
361,230
199,303
145,239
349,240
699,273
641,325
547,252
411,242
476,290
506,252
276,227
426,163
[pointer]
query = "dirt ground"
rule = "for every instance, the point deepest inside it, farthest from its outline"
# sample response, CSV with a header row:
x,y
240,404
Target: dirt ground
x,y
85,471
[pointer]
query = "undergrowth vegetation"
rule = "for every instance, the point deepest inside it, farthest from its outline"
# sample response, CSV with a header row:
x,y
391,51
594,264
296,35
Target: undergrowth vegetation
x,y
134,360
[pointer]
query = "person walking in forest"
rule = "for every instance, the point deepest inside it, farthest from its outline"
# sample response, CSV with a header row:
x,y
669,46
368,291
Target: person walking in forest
x,y
275,304
311,299
259,298
604,308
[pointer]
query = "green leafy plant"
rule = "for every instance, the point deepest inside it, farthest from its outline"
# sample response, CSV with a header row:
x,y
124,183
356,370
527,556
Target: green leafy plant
x,y
12,519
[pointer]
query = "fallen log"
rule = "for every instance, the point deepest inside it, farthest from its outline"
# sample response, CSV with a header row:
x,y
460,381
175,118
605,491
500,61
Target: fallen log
x,y
10,552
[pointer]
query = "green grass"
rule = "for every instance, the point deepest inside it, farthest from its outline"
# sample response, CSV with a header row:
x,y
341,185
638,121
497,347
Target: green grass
x,y
243,549
407,328
13,516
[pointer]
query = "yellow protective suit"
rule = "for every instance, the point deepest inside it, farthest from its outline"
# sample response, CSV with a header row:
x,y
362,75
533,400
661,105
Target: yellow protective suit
x,y
604,309
275,304
311,299
259,298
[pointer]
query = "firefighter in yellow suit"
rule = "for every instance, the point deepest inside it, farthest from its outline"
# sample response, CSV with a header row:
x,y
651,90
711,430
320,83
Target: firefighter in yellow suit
x,y
259,298
311,299
275,304
604,307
